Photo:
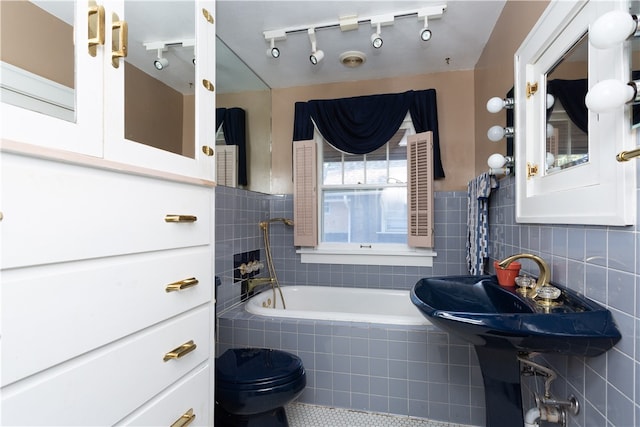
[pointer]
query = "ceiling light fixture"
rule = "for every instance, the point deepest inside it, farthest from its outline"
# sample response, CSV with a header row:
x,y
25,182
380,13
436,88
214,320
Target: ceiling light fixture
x,y
272,37
316,55
376,40
377,22
433,12
160,62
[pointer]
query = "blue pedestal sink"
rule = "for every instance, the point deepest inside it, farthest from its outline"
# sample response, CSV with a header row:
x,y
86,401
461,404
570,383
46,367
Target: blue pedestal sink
x,y
501,323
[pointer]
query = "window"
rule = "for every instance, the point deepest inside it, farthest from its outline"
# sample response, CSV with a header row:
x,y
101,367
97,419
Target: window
x,y
362,209
364,197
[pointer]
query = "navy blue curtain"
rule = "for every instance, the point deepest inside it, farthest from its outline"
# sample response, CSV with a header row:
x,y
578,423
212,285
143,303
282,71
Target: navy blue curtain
x,y
571,94
233,122
360,125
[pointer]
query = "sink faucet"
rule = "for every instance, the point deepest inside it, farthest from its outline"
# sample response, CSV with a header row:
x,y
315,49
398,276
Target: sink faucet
x,y
544,276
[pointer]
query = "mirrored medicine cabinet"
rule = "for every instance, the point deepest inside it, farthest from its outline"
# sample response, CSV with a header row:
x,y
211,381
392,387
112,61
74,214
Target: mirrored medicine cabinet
x,y
566,168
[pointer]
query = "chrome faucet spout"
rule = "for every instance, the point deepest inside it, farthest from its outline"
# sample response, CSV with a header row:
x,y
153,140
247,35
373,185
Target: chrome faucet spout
x,y
543,278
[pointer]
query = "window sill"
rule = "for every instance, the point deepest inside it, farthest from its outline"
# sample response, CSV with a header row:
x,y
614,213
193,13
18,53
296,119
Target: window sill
x,y
411,258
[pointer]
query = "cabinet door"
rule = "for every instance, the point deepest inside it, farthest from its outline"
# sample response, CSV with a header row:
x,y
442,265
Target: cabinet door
x,y
51,85
162,118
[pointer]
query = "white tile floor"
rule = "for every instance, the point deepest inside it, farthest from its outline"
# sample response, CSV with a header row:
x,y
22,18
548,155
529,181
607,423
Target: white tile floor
x,y
305,415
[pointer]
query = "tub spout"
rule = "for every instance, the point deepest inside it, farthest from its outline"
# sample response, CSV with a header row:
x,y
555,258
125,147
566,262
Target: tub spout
x,y
257,281
543,278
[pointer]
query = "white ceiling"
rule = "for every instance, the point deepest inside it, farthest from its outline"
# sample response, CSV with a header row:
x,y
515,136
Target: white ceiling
x,y
460,35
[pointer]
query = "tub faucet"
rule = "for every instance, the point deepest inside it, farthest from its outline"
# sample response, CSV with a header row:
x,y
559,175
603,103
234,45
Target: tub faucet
x,y
543,277
257,281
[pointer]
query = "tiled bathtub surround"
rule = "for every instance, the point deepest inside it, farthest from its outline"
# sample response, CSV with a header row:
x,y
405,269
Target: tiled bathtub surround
x,y
602,263
406,370
238,213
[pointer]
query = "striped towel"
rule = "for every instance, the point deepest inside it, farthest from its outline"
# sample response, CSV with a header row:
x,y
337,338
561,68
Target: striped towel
x,y
478,191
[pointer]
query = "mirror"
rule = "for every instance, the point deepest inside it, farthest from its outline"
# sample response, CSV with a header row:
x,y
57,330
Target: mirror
x,y
238,87
38,67
592,188
160,101
567,116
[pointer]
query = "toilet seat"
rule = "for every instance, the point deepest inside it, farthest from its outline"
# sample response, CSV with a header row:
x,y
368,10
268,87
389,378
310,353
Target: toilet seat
x,y
257,368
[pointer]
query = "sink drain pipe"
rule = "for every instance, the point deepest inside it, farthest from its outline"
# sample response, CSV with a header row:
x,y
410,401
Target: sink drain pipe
x,y
547,407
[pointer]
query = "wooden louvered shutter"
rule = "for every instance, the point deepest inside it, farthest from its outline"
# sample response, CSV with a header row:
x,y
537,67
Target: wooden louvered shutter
x,y
226,165
305,199
420,190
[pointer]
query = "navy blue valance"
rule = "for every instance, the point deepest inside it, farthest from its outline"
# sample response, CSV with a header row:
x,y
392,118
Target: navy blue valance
x,y
233,121
362,124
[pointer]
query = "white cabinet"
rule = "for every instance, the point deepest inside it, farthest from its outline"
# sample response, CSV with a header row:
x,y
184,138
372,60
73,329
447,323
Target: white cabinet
x,y
106,249
98,288
109,114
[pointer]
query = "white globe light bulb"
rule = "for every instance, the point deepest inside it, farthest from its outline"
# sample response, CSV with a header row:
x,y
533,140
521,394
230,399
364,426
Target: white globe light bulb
x,y
495,133
550,101
495,104
496,161
608,95
550,130
550,159
611,28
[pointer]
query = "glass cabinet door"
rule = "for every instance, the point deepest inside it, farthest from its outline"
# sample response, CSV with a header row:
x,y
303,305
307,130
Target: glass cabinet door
x,y
51,87
157,93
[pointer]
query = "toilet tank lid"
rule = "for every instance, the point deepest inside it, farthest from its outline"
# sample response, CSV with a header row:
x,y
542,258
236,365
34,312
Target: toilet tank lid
x,y
257,365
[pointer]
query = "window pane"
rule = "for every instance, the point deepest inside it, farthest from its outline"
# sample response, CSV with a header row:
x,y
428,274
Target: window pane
x,y
331,165
365,216
353,169
376,163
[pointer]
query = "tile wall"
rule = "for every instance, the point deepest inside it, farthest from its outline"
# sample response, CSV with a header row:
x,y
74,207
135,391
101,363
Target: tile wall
x,y
409,371
601,262
604,264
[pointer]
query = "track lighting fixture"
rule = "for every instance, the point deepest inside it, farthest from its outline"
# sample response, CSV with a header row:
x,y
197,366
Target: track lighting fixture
x,y
273,51
316,54
160,62
349,23
376,40
426,13
272,37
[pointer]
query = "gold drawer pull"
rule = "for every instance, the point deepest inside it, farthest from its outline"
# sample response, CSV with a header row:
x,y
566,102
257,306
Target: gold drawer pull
x,y
178,352
185,419
182,284
120,37
180,218
96,27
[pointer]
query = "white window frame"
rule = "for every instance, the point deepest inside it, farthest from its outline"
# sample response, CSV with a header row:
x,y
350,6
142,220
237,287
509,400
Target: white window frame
x,y
388,254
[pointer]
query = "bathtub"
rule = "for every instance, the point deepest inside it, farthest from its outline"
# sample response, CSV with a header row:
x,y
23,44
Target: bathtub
x,y
385,306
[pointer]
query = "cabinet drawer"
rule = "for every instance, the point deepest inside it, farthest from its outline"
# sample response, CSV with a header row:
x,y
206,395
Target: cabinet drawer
x,y
55,212
104,386
190,393
53,313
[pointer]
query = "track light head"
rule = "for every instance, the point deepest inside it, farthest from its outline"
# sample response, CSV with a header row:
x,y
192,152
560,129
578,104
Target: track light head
x,y
160,62
273,51
425,34
376,39
316,54
316,57
272,37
